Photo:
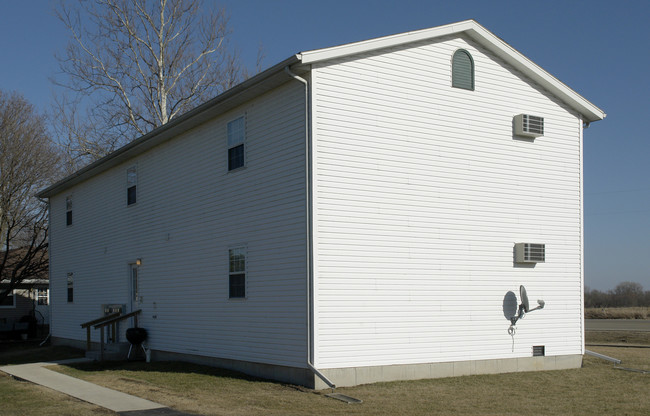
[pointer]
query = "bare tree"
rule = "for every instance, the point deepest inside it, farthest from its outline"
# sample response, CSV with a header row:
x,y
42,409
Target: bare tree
x,y
629,294
28,162
625,294
133,65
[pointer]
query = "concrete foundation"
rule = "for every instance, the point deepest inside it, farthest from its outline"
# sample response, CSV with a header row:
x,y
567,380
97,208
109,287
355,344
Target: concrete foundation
x,y
345,377
353,376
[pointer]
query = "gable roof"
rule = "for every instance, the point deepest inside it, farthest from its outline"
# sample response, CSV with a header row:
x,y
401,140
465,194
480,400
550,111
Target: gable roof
x,y
480,35
300,63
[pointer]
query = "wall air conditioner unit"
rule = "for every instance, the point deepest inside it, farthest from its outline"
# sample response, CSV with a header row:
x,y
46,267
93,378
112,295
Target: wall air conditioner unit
x,y
530,253
529,126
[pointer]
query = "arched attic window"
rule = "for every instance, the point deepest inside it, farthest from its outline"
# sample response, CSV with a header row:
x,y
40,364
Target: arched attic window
x,y
462,70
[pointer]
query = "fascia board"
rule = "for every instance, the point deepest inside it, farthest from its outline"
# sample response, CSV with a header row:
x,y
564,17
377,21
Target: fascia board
x,y
513,57
479,34
247,90
334,52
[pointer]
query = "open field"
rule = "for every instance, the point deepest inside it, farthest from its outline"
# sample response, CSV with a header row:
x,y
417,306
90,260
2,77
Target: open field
x,y
597,388
617,313
617,338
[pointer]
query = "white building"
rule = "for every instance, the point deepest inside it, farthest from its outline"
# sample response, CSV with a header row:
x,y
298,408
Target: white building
x,y
352,209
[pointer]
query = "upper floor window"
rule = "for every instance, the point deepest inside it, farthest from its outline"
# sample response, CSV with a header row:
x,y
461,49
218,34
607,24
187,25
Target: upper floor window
x,y
70,287
42,296
236,138
131,185
9,301
237,272
68,210
462,70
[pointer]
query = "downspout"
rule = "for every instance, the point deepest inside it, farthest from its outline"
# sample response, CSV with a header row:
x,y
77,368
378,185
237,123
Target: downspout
x,y
49,269
310,279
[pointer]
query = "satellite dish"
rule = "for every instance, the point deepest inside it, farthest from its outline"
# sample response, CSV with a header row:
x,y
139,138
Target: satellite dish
x,y
524,308
524,298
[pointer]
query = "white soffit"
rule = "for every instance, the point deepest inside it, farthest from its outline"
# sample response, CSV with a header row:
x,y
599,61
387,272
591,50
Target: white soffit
x,y
482,36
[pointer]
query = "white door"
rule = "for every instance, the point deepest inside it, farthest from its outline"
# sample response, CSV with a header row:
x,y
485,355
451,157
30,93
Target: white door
x,y
134,298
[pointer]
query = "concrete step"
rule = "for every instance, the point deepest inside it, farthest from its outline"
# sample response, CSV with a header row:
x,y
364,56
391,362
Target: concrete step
x,y
112,352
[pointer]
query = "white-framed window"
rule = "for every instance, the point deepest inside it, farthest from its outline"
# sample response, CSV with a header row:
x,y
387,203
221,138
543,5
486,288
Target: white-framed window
x,y
131,185
237,272
236,143
9,302
70,282
68,210
42,296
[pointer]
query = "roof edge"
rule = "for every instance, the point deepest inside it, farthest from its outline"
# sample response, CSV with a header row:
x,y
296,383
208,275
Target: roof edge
x,y
158,135
479,34
324,54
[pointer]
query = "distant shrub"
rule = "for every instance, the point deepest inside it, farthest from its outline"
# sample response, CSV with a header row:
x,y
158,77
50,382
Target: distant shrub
x,y
617,313
626,294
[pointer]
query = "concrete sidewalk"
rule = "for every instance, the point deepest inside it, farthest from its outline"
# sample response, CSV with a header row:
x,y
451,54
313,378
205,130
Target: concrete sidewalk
x,y
83,390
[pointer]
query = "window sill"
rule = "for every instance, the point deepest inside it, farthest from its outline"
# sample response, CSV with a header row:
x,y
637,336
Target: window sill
x,y
239,169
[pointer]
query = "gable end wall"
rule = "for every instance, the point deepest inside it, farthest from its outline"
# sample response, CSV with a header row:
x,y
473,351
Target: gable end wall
x,y
421,192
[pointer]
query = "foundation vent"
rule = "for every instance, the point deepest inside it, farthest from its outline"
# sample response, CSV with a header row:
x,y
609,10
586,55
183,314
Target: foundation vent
x,y
539,351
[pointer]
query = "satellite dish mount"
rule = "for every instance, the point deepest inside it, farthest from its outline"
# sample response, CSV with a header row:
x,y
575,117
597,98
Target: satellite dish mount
x,y
524,308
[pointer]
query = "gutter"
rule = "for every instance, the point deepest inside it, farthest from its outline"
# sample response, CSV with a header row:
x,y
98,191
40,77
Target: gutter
x,y
177,125
49,271
308,229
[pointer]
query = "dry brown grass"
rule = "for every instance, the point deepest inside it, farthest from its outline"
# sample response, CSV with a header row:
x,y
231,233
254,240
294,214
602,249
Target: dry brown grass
x,y
617,337
640,312
30,352
26,399
597,388
21,398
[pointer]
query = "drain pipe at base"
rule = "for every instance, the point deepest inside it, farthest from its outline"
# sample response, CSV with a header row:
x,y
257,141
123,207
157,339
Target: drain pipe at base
x,y
308,226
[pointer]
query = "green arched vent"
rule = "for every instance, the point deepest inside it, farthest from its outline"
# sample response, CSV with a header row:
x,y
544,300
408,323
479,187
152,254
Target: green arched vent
x,y
462,70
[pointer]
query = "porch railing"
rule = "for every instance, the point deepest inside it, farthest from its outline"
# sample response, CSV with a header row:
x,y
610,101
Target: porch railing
x,y
101,323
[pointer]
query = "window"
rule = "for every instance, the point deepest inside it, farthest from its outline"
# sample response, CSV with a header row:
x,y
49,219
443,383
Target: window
x,y
42,297
462,70
68,210
70,287
236,137
131,184
237,272
9,302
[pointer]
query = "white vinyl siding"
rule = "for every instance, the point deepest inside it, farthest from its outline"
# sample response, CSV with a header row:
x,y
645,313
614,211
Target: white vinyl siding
x,y
191,211
421,192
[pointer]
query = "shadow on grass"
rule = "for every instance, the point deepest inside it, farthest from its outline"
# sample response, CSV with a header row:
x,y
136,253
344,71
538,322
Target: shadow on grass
x,y
30,352
174,367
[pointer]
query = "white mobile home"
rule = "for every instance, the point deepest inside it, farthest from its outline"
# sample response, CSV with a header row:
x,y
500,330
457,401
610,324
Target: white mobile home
x,y
350,215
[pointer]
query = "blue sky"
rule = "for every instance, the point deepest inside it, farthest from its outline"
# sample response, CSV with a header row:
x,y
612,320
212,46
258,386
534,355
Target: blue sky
x,y
599,48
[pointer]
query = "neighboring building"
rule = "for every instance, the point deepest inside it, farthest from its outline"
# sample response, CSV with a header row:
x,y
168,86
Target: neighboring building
x,y
29,298
32,296
372,236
